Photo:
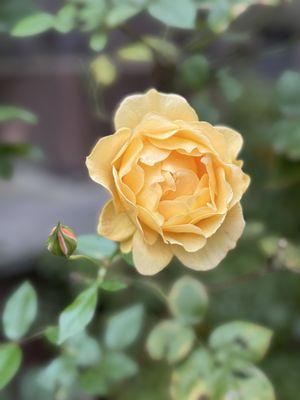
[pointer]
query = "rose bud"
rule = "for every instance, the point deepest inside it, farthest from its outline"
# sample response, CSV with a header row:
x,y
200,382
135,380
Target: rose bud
x,y
62,241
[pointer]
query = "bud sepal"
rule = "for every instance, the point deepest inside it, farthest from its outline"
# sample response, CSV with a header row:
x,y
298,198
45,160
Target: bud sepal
x,y
62,241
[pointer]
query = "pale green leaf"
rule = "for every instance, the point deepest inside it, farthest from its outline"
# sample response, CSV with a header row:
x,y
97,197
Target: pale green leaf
x,y
165,48
83,349
78,314
241,339
95,246
51,333
98,41
104,71
193,375
188,300
33,24
124,327
65,19
175,13
170,340
59,373
114,368
249,383
113,285
10,361
138,52
20,311
121,13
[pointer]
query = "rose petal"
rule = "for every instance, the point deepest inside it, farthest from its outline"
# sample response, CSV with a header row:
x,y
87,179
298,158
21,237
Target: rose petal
x,y
155,126
100,159
233,139
126,246
151,155
133,108
150,259
217,246
115,226
190,242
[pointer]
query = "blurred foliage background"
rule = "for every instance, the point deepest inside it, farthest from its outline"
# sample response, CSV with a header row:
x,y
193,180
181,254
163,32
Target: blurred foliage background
x,y
64,67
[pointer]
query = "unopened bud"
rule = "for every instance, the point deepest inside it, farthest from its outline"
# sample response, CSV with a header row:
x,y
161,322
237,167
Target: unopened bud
x,y
62,241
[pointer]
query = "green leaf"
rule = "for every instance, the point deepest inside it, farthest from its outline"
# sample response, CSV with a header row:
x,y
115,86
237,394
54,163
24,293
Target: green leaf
x,y
138,52
10,361
20,311
95,246
98,41
244,340
285,136
114,368
188,300
193,375
249,383
124,327
65,19
220,15
84,350
170,340
164,47
195,71
175,13
33,24
104,71
11,113
113,285
51,333
60,373
231,88
121,13
78,314
288,93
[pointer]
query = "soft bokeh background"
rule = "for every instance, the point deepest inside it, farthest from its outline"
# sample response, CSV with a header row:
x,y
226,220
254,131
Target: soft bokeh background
x,y
240,67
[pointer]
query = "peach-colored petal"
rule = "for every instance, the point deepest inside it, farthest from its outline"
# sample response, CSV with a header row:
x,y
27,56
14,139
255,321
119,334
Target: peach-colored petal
x,y
150,259
130,156
190,242
133,108
135,179
115,226
151,155
126,246
156,126
233,139
217,246
102,155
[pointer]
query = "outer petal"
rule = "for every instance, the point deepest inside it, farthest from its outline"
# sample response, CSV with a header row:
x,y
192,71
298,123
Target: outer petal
x,y
150,259
102,155
234,140
218,245
133,108
115,226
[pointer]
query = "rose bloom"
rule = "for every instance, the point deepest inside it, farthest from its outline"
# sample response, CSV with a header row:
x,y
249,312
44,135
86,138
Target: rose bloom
x,y
175,181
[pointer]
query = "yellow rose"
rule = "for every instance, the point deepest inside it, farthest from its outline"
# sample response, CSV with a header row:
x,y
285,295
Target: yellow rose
x,y
175,183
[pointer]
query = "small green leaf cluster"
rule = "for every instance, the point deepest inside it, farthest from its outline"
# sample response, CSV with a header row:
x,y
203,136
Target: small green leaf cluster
x,y
222,368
